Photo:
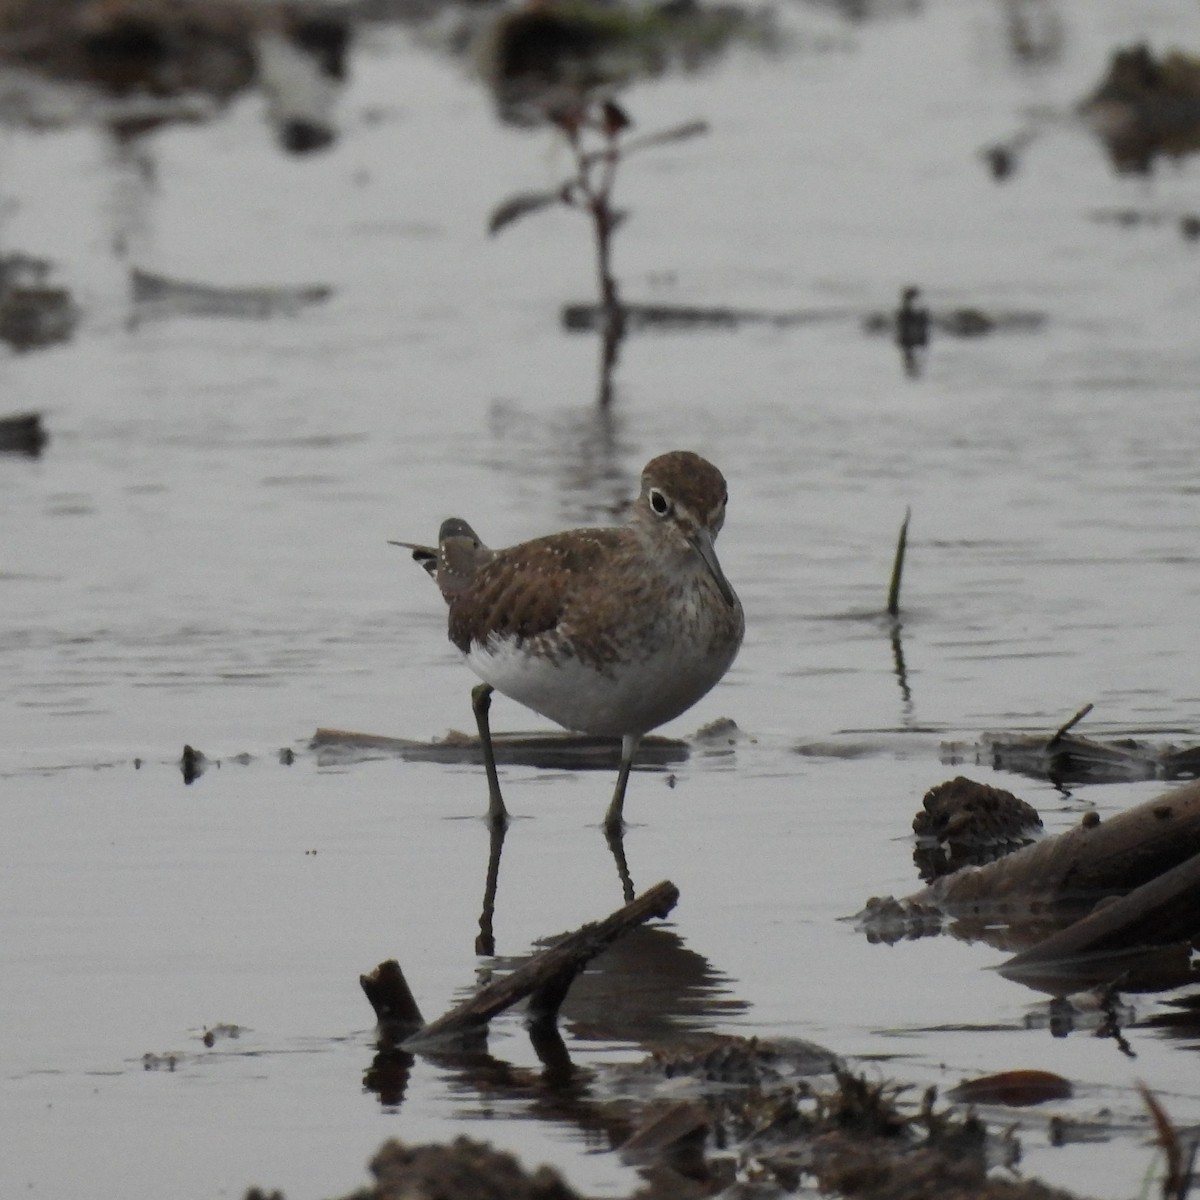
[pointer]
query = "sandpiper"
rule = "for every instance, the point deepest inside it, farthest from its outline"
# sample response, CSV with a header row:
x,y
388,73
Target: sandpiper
x,y
605,631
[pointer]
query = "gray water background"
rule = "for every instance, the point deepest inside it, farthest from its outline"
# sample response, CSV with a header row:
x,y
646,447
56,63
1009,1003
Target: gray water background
x,y
200,557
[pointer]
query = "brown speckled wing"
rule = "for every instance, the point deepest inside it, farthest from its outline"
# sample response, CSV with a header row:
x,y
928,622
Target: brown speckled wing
x,y
528,590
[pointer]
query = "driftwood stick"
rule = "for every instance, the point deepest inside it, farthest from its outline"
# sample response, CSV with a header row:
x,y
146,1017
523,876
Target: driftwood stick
x,y
1158,913
1063,730
391,998
546,976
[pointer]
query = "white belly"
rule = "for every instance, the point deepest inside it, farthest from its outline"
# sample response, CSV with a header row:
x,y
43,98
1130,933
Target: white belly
x,y
634,698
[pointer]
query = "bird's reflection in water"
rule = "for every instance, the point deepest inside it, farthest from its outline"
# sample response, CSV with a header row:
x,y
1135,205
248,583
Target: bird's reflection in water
x,y
616,844
485,941
648,986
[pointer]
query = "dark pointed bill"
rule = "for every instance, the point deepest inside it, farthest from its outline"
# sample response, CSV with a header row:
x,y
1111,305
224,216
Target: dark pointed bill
x,y
702,543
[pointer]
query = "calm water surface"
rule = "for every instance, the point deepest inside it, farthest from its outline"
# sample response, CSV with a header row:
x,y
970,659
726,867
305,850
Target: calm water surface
x,y
200,557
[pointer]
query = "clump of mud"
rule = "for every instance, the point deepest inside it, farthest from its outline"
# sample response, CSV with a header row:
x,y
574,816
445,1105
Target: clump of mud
x,y
463,1170
962,822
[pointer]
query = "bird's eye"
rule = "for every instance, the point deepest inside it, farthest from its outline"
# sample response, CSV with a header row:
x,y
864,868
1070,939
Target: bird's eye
x,y
659,502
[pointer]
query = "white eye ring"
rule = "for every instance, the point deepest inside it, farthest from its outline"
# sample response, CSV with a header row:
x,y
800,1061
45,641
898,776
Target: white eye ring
x,y
659,503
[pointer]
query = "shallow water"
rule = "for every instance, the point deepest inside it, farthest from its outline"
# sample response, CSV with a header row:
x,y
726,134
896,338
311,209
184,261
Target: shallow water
x,y
200,557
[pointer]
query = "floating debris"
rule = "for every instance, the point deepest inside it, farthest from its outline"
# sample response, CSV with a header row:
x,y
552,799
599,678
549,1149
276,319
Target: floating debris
x,y
220,1032
23,433
962,322
1003,158
1015,1089
193,764
1072,759
682,318
33,317
557,751
742,1062
33,313
157,296
720,736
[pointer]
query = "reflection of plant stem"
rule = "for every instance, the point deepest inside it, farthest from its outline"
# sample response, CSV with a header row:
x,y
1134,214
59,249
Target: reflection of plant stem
x,y
898,663
596,176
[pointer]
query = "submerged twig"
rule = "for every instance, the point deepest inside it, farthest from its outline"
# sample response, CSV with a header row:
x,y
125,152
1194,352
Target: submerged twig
x,y
893,600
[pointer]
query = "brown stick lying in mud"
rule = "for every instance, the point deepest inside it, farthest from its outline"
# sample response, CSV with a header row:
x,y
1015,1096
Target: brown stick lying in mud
x,y
388,993
1158,913
545,978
